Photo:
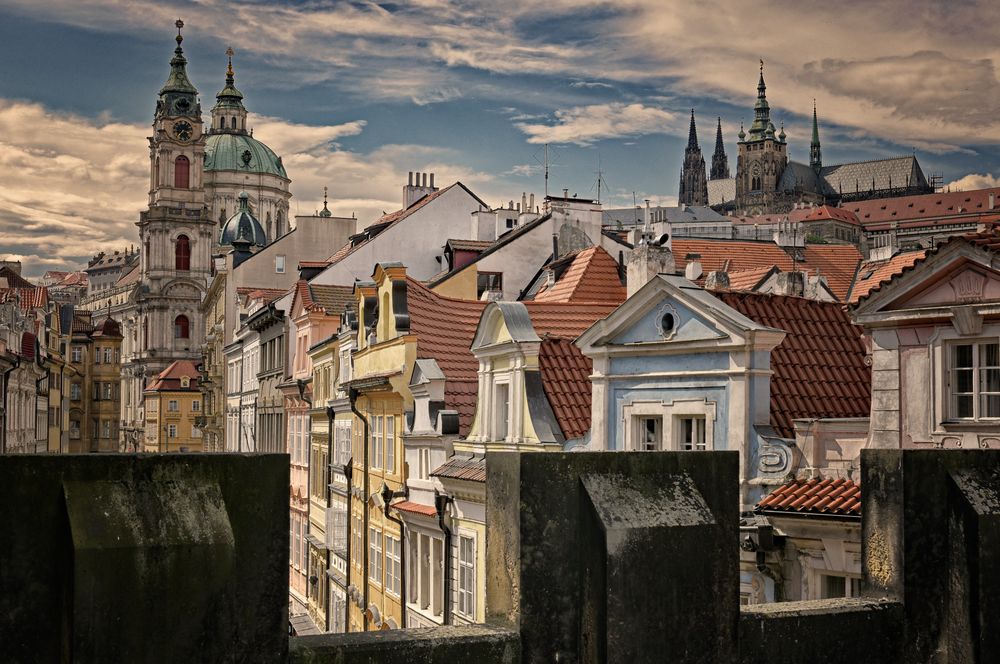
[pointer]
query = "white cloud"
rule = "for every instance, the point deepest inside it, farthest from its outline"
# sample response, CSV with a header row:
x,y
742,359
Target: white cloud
x,y
974,181
584,125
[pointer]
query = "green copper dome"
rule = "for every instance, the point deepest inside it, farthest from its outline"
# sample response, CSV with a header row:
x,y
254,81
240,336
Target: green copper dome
x,y
241,153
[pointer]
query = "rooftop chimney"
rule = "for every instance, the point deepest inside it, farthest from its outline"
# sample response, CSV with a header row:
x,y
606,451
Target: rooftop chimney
x,y
650,256
417,188
692,271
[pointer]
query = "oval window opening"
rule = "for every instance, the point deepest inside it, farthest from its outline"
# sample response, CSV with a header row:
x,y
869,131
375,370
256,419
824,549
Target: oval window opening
x,y
667,323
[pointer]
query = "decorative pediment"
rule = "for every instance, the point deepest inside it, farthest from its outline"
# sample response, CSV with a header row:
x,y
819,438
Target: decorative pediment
x,y
957,274
671,310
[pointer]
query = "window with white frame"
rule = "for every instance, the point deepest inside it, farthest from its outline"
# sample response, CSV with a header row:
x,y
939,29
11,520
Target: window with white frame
x,y
196,406
171,430
835,585
106,429
76,355
74,391
279,264
107,355
357,540
393,563
107,390
172,405
501,412
466,576
390,444
691,433
375,555
375,453
342,442
975,381
650,430
296,541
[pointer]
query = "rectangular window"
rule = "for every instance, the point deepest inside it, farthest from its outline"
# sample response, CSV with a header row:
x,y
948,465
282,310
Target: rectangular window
x,y
650,434
106,429
502,411
74,391
390,444
296,542
107,355
279,264
393,564
467,576
172,405
975,381
107,391
97,355
692,433
488,281
375,555
834,586
375,453
357,541
196,406
171,430
74,429
76,354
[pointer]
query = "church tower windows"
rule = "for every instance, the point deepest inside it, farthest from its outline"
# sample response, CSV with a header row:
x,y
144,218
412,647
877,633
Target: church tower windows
x,y
182,253
181,327
182,172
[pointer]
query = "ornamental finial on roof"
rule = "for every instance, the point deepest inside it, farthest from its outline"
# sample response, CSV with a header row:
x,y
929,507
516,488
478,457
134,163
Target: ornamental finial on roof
x,y
229,68
180,24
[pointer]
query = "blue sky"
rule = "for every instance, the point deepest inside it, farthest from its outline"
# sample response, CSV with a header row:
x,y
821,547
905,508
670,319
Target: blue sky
x,y
354,95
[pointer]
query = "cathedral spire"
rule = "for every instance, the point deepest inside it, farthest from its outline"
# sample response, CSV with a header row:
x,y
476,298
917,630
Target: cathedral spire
x,y
815,155
692,134
720,163
178,96
761,110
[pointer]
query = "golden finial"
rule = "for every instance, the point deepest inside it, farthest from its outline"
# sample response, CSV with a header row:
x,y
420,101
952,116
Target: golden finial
x,y
180,24
762,66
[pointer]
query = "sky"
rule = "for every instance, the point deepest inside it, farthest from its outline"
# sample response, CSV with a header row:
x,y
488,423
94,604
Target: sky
x,y
354,95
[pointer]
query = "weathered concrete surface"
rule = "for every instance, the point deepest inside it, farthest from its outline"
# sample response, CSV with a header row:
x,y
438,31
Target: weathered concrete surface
x,y
832,631
931,539
470,644
543,573
143,558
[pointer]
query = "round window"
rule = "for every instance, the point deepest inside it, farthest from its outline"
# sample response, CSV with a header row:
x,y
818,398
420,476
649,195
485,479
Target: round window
x,y
667,323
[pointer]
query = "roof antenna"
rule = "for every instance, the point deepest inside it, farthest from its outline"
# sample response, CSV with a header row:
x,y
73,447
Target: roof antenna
x,y
546,170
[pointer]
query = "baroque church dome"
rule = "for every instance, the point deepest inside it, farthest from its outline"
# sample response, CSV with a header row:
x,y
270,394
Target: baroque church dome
x,y
243,226
242,153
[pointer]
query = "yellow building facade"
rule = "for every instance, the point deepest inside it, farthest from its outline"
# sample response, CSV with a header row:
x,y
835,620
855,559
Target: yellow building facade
x,y
173,404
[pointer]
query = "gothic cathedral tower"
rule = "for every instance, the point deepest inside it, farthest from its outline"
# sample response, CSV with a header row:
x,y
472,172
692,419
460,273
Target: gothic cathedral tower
x,y
175,232
762,157
693,188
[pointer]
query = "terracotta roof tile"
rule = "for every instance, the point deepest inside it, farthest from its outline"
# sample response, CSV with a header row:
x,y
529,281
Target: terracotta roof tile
x,y
748,279
469,245
566,320
333,300
445,328
170,378
593,276
815,496
836,262
819,368
566,381
927,209
35,297
872,274
459,467
415,508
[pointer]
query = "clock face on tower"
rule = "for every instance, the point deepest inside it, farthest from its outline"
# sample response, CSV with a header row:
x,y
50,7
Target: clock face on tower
x,y
183,130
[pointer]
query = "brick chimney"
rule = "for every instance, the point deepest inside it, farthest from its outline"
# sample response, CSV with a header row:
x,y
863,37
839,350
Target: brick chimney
x,y
650,256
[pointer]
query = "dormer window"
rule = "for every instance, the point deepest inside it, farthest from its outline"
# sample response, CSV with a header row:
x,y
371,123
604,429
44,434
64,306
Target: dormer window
x,y
185,381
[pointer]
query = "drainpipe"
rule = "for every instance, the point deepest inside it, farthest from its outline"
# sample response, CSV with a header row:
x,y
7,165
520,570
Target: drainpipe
x,y
441,502
348,472
387,495
329,479
6,385
364,533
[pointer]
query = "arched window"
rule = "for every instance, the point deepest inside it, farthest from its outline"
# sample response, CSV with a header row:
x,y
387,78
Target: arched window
x,y
279,225
222,123
181,328
182,172
182,253
234,123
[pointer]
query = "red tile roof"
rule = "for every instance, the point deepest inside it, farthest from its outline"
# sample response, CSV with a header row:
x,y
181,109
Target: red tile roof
x,y
130,276
35,297
593,276
415,508
14,280
28,345
872,274
927,209
469,245
818,213
458,467
445,328
816,496
566,381
330,300
566,320
169,380
748,279
819,368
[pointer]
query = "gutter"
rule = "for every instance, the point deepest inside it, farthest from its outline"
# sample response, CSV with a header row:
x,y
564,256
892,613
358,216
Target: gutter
x,y
387,495
348,472
353,396
441,502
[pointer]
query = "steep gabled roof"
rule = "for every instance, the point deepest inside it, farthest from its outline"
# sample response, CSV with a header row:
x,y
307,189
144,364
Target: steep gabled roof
x,y
819,368
592,276
566,381
875,174
445,328
329,299
14,280
873,274
169,380
35,297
